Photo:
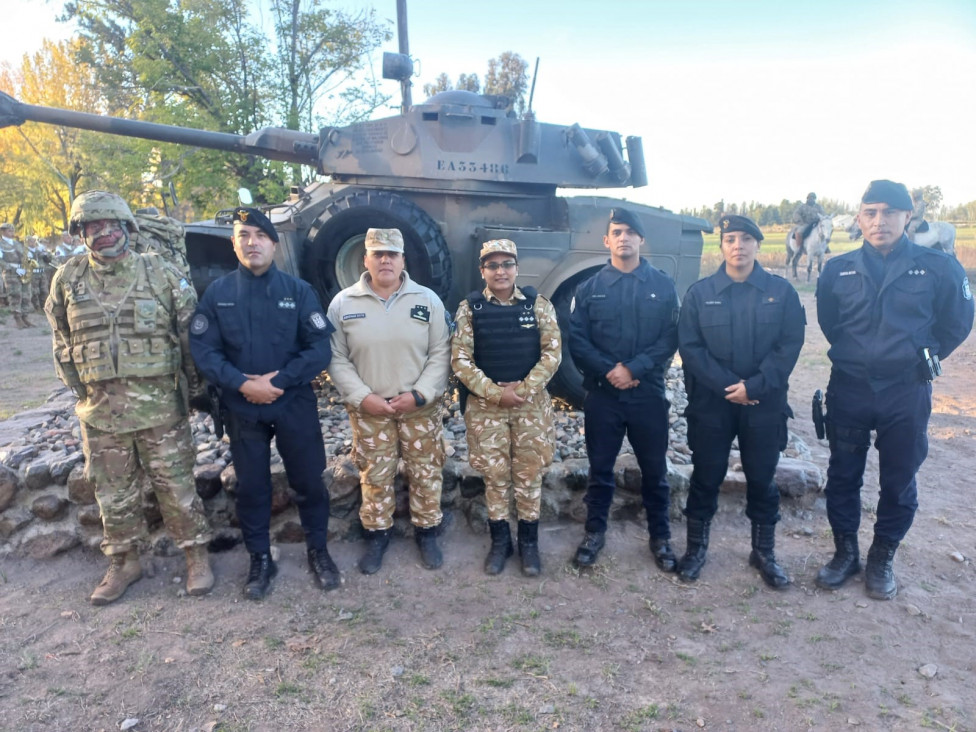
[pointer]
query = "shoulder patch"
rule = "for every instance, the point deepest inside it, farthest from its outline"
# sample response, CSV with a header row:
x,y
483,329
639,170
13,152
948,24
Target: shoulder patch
x,y
184,285
199,324
967,293
317,320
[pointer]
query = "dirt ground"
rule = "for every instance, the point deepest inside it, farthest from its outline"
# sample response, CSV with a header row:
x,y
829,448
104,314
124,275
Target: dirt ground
x,y
622,647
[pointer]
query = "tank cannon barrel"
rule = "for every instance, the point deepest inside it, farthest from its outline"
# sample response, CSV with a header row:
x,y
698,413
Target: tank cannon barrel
x,y
272,142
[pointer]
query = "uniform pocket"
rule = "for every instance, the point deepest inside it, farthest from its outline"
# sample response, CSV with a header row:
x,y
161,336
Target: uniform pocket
x,y
145,316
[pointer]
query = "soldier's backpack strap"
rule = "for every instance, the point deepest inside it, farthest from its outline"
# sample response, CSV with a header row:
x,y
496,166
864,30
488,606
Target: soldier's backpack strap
x,y
158,283
530,293
74,268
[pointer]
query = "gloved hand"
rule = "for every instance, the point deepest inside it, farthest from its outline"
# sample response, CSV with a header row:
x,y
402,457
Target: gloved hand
x,y
20,271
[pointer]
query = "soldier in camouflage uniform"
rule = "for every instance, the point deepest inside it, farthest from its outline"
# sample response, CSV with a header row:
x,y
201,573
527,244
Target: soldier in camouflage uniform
x,y
918,213
805,217
390,359
506,348
16,280
40,260
120,323
65,249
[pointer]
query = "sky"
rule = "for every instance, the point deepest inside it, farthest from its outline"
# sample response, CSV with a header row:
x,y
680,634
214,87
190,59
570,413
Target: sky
x,y
747,100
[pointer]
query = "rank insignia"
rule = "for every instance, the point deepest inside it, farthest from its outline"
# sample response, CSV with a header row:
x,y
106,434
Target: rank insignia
x,y
421,313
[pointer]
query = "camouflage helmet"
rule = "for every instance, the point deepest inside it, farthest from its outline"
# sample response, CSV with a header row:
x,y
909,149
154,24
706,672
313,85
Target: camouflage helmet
x,y
97,205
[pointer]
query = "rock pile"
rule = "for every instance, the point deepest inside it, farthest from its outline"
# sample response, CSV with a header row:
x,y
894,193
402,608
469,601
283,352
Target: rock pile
x,y
47,506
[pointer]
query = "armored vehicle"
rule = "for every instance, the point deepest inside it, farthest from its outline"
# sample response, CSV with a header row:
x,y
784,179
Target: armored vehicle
x,y
450,173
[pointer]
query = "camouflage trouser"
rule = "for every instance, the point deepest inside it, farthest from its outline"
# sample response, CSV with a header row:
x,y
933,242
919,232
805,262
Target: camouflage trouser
x,y
510,447
378,445
17,292
116,464
38,294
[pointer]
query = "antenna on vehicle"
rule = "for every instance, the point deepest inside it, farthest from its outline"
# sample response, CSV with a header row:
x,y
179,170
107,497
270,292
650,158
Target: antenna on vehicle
x,y
529,114
399,66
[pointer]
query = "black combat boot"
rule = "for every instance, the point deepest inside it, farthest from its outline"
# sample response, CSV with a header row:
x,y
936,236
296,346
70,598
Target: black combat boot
x,y
663,554
430,554
376,543
259,577
763,558
879,572
690,565
324,570
589,548
501,546
845,563
528,543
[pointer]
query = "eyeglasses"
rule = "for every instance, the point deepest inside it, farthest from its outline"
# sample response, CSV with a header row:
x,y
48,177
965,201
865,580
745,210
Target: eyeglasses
x,y
495,266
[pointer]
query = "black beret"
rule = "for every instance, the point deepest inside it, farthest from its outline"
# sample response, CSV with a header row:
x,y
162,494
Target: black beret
x,y
253,217
887,191
731,222
623,216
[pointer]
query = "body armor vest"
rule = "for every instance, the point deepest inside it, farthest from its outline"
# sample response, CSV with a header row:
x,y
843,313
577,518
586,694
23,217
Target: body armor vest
x,y
132,339
506,337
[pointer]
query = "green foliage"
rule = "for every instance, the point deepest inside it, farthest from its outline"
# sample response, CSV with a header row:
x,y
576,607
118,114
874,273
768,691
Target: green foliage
x,y
764,214
507,76
209,65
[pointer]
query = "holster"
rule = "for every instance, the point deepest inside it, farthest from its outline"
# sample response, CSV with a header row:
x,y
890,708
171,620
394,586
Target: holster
x,y
819,418
216,412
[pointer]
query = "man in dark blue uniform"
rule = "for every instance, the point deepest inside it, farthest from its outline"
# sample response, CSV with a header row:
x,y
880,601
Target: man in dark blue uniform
x,y
623,334
260,336
739,335
891,312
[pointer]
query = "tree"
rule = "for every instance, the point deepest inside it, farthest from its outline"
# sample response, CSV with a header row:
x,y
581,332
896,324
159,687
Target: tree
x,y
209,66
932,196
506,77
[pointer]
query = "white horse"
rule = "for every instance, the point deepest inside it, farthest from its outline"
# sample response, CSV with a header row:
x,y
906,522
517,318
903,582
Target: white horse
x,y
814,246
940,235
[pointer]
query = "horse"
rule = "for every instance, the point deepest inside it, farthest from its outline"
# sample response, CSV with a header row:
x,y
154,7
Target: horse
x,y
939,235
814,246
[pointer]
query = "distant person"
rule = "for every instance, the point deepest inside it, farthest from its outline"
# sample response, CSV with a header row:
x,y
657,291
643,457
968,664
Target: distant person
x,y
506,348
120,323
918,213
739,335
391,356
16,277
65,248
40,263
805,217
891,312
623,335
259,336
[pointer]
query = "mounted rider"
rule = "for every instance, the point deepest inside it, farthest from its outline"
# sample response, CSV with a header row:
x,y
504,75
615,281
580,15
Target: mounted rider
x,y
805,217
917,221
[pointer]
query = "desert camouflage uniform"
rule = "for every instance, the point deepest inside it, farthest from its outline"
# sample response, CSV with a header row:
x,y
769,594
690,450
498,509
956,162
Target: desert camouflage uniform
x,y
16,290
392,347
121,344
509,446
379,443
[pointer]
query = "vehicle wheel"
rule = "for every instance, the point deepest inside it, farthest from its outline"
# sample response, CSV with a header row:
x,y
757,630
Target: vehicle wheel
x,y
567,384
334,249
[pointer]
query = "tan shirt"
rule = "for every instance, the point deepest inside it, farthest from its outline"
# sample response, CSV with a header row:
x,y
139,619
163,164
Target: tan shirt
x,y
388,347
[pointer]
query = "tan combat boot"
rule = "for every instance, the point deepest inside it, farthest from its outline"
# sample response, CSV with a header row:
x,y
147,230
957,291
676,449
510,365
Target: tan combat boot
x,y
122,572
199,577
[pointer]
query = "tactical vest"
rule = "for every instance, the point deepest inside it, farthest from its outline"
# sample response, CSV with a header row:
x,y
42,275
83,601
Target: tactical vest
x,y
506,337
140,325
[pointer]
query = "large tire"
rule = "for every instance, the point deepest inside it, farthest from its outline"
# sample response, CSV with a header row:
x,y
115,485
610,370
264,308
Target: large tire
x,y
567,384
334,250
